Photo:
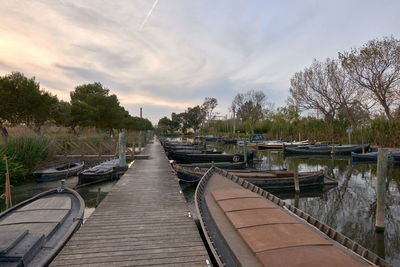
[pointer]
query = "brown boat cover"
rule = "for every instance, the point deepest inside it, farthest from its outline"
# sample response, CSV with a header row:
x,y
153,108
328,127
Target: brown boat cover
x,y
276,237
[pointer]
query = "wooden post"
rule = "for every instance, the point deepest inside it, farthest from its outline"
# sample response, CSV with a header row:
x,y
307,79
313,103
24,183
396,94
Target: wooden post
x,y
7,186
257,147
140,141
362,140
380,189
133,146
245,151
98,196
296,180
122,149
333,147
349,133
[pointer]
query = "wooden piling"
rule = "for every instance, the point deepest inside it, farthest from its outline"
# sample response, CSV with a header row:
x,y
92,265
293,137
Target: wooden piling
x,y
296,180
122,149
245,151
380,189
98,196
140,141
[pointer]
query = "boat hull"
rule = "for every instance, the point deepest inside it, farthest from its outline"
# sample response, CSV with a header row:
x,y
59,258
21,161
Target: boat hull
x,y
53,174
247,226
41,226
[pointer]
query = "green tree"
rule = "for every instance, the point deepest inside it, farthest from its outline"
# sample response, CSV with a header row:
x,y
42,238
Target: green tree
x,y
22,101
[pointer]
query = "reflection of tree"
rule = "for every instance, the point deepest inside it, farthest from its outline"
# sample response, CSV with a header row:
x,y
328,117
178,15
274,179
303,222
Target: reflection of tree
x,y
348,207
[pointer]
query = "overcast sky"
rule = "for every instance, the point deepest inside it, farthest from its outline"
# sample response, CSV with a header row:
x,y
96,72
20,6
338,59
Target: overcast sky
x,y
167,55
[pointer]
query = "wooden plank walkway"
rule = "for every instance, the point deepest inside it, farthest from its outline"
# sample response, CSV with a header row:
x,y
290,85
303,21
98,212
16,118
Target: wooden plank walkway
x,y
143,221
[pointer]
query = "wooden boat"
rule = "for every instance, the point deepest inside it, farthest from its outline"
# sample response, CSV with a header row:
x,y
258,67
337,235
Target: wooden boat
x,y
62,171
271,180
278,145
34,231
373,156
105,171
228,140
247,226
171,153
325,149
221,165
199,157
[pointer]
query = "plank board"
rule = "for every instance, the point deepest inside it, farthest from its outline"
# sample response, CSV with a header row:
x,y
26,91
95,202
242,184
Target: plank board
x,y
143,221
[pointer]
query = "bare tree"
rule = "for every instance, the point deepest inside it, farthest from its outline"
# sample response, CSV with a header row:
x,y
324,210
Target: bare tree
x,y
311,89
349,96
376,67
250,107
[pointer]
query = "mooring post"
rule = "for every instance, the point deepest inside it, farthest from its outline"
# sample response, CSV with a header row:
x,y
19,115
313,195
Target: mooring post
x,y
257,147
133,147
269,166
98,196
333,147
122,149
380,189
296,180
140,141
362,140
245,151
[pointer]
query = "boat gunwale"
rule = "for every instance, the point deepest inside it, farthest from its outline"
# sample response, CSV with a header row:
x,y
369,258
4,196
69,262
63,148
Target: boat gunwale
x,y
324,229
77,221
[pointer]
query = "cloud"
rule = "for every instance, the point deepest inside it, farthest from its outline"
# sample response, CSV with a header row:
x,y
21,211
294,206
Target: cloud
x,y
187,51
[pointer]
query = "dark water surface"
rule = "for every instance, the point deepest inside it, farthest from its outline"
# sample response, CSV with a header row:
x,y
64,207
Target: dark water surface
x,y
31,188
348,207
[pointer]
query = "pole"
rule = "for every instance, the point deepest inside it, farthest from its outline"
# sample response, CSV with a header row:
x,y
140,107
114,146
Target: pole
x,y
140,141
122,149
7,185
98,196
296,180
362,139
380,189
133,146
349,133
245,151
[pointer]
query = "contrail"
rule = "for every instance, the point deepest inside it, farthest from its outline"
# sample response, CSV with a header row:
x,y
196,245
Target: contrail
x,y
148,15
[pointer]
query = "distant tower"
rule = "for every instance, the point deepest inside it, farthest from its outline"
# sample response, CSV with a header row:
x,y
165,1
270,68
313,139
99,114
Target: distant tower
x,y
141,113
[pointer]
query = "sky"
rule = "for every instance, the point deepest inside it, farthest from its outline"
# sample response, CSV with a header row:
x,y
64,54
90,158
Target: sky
x,y
168,55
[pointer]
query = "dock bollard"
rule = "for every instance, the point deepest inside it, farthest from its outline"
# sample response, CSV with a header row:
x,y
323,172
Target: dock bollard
x,y
380,189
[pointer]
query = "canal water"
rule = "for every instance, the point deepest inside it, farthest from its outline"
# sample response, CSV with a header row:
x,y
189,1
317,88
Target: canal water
x,y
31,188
348,207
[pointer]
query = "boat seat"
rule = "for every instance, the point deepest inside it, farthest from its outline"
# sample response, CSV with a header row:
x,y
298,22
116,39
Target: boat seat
x,y
9,239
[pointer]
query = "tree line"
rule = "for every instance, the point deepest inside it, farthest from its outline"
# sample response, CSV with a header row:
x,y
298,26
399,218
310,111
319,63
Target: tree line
x,y
23,101
360,89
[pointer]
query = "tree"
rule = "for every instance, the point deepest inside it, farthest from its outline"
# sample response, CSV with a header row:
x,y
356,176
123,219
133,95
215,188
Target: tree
x,y
208,107
251,107
22,101
194,117
376,67
45,110
350,98
311,89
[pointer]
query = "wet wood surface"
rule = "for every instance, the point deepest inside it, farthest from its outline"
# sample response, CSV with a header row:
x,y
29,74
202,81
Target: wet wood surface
x,y
143,221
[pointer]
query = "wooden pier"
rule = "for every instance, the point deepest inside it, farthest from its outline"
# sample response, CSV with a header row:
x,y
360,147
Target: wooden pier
x,y
143,221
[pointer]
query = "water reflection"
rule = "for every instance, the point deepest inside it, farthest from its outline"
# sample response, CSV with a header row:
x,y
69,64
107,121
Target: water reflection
x,y
350,206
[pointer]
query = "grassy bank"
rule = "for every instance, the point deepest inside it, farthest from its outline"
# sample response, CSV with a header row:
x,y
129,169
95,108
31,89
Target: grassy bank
x,y
27,151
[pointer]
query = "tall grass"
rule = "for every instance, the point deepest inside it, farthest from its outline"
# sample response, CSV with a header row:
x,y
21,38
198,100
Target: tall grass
x,y
16,170
28,150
